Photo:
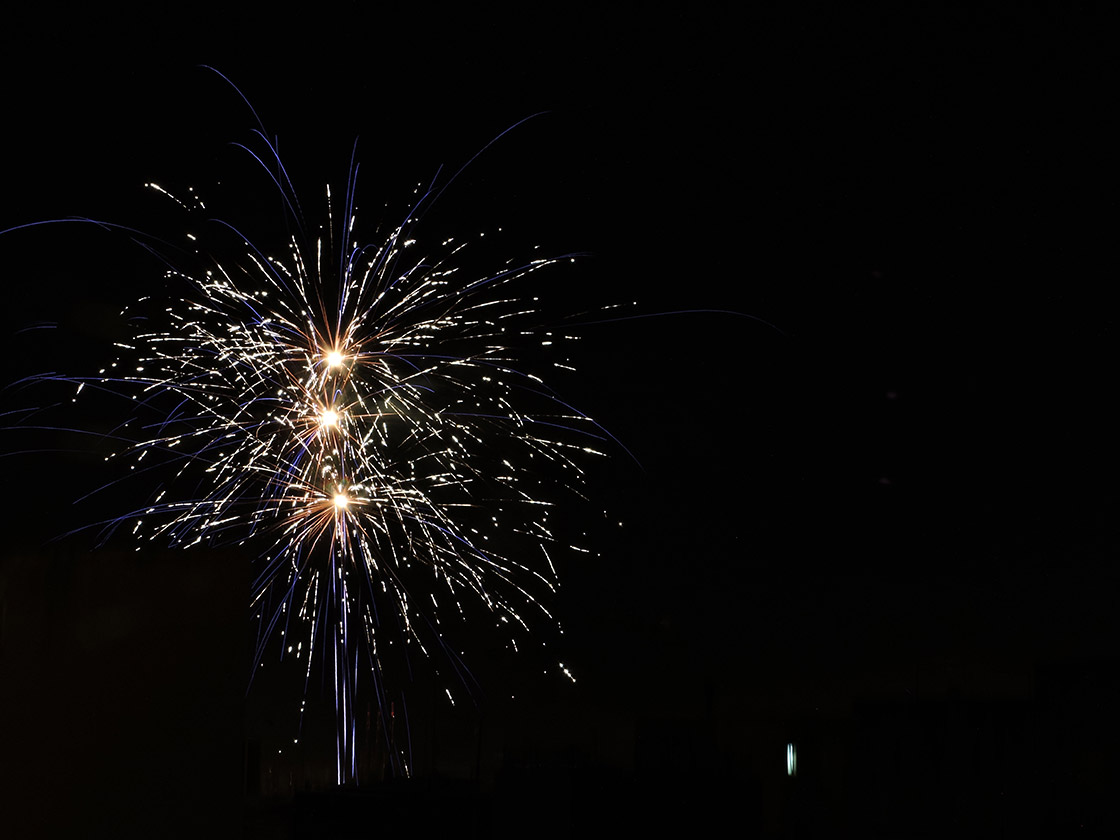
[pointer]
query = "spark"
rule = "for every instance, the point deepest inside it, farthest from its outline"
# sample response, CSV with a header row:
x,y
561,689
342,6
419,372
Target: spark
x,y
356,410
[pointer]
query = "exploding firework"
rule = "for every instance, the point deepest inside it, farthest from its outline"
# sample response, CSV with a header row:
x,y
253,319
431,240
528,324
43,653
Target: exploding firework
x,y
357,413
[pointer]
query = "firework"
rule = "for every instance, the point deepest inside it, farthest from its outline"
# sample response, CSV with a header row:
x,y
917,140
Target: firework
x,y
356,412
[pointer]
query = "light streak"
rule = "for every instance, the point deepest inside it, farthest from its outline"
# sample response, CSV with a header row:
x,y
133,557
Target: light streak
x,y
355,411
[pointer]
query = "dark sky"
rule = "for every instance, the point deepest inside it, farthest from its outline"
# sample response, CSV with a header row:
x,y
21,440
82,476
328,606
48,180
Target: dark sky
x,y
889,479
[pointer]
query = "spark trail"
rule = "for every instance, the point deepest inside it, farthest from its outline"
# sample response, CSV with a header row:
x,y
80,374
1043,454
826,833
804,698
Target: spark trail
x,y
356,413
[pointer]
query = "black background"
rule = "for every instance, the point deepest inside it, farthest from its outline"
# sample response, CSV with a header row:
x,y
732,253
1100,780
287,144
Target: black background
x,y
875,518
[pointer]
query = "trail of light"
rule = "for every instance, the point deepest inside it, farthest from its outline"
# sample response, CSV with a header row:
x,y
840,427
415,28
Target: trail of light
x,y
357,409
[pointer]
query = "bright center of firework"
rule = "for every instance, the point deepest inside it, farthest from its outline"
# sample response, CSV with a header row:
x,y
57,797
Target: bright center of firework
x,y
328,417
341,501
334,359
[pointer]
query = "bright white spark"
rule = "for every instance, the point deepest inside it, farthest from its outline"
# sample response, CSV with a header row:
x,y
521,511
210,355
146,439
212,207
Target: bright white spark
x,y
269,424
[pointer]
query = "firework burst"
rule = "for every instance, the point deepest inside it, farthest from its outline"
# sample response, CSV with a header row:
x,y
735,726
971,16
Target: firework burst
x,y
355,412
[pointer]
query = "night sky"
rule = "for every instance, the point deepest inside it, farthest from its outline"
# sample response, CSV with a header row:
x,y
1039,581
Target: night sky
x,y
870,507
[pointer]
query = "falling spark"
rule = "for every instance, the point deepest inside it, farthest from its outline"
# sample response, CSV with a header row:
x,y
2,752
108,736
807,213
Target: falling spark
x,y
357,411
